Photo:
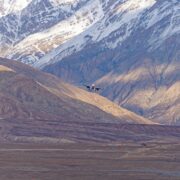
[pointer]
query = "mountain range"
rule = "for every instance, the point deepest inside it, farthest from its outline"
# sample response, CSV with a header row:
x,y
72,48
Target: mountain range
x,y
130,48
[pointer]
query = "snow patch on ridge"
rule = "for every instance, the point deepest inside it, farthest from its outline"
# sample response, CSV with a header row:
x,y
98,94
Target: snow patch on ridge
x,y
128,13
171,28
13,6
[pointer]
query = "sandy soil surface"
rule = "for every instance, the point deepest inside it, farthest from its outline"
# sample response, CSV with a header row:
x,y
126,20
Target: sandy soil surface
x,y
79,161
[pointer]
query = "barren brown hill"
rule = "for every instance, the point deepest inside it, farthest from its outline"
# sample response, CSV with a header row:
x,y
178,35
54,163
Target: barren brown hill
x,y
36,106
29,93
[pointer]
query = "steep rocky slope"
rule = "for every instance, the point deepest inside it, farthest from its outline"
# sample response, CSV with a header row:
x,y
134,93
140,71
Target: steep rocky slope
x,y
137,63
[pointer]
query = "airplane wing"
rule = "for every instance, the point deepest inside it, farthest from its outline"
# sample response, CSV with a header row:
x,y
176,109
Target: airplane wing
x,y
87,86
97,89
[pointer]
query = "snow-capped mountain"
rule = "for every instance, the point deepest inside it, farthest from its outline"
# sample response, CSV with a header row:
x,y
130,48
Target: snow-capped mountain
x,y
129,47
120,21
12,6
43,25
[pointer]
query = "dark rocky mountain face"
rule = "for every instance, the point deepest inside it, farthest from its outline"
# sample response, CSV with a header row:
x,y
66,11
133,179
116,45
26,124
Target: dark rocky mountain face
x,y
142,73
145,83
130,48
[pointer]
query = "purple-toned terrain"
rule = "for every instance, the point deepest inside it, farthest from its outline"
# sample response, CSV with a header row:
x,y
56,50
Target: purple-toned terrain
x,y
52,127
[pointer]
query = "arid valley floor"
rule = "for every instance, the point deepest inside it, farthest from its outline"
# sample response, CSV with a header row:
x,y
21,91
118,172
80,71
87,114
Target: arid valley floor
x,y
79,161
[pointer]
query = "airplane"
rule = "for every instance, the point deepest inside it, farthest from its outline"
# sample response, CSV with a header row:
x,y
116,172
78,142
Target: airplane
x,y
92,88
